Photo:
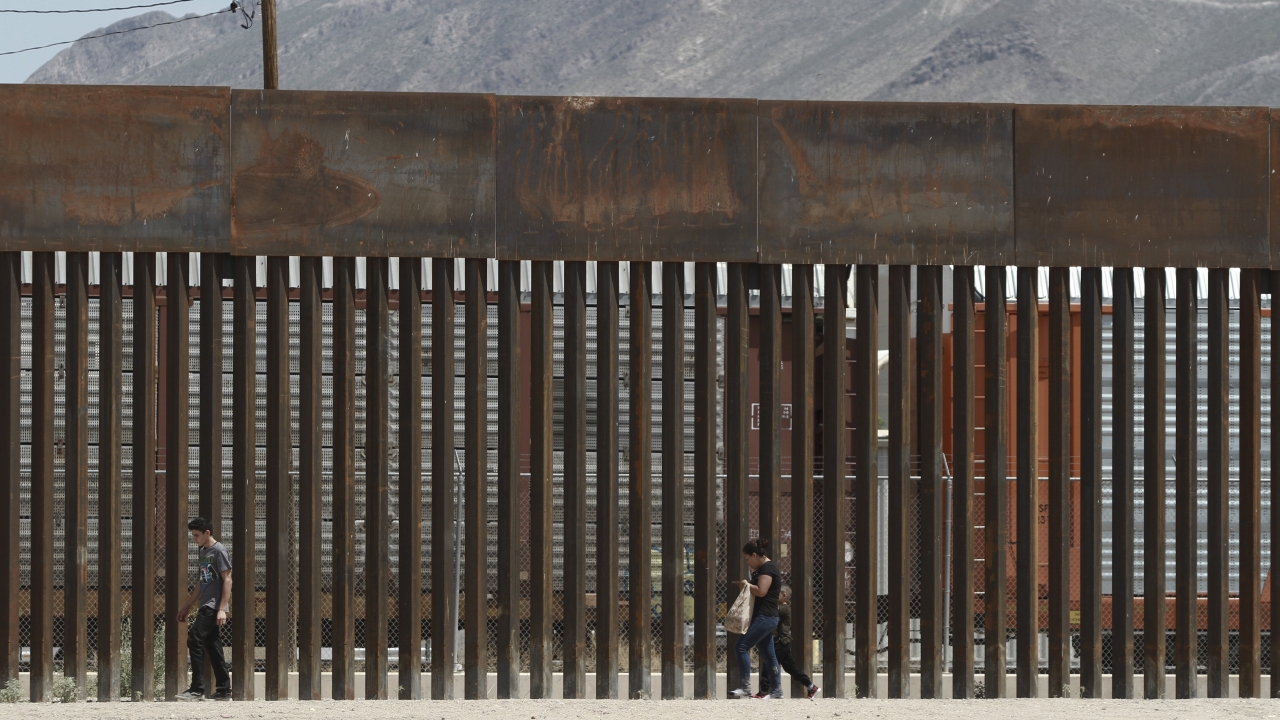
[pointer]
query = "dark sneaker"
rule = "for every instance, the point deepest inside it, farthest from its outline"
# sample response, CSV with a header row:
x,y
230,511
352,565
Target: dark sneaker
x,y
221,695
813,692
189,696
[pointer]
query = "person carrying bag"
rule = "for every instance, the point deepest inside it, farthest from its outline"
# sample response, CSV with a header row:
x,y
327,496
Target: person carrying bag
x,y
763,587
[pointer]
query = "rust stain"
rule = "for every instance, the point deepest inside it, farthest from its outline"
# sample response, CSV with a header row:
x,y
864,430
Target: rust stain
x,y
115,210
290,188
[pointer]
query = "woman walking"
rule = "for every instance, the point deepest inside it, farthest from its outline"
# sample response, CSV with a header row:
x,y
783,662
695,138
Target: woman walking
x,y
764,585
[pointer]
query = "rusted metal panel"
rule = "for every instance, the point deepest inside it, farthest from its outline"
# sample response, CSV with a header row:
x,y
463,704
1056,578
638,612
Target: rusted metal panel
x,y
114,168
244,440
640,488
1275,192
10,475
898,183
377,479
770,374
344,477
640,179
1102,185
371,174
280,640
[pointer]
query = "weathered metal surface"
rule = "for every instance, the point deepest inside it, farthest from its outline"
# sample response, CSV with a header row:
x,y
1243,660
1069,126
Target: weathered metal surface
x,y
905,183
377,493
575,482
737,461
607,501
211,401
1028,500
541,498
867,488
640,489
1274,205
1275,517
899,472
372,174
11,432
705,420
1059,485
770,374
311,478
674,479
42,477
76,528
110,392
1250,682
409,481
995,463
1141,185
476,473
244,439
933,490
280,638
143,431
510,451
803,419
1186,648
964,399
639,179
834,511
444,587
344,478
177,442
1091,484
1122,475
114,168
1219,460
1153,481
279,484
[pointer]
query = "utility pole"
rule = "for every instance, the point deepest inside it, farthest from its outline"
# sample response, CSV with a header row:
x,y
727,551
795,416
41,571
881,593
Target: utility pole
x,y
270,64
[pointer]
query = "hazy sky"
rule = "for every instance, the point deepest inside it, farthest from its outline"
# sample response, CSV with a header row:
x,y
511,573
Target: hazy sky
x,y
23,31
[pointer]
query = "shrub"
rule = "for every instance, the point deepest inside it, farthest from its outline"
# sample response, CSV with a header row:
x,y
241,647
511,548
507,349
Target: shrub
x,y
65,689
12,693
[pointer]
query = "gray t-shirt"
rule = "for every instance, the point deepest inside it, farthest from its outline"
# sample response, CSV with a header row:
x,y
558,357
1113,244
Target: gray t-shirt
x,y
213,561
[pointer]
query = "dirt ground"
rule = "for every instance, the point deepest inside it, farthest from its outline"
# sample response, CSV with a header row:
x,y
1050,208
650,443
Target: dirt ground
x,y
657,710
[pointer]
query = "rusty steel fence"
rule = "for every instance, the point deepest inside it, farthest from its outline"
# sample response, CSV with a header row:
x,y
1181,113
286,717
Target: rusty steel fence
x,y
535,368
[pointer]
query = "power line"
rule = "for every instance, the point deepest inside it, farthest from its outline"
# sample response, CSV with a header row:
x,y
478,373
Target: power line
x,y
117,32
93,10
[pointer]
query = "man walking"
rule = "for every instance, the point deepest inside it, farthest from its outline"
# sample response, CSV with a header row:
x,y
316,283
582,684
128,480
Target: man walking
x,y
213,593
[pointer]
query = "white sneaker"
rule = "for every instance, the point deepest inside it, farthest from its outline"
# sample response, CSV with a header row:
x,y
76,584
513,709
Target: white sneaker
x,y
740,693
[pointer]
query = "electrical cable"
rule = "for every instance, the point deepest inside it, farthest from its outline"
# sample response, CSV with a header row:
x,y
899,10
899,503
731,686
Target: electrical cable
x,y
119,32
93,10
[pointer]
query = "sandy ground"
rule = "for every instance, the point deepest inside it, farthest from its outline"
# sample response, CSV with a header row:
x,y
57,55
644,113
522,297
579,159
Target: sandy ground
x,y
670,710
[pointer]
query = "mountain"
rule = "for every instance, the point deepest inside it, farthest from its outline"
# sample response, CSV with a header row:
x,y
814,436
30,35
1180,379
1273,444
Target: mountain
x,y
1077,51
